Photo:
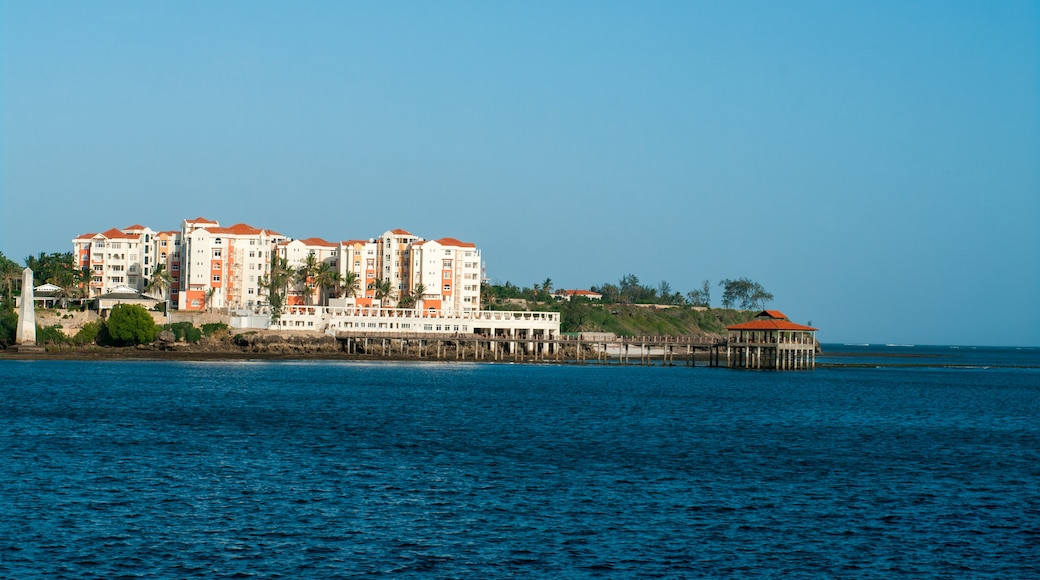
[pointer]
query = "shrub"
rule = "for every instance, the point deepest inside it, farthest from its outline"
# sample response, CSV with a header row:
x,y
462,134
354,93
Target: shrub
x,y
130,324
8,325
186,331
211,328
50,334
87,334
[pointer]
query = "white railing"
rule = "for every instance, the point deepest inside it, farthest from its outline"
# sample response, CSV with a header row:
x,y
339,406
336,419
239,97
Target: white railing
x,y
332,319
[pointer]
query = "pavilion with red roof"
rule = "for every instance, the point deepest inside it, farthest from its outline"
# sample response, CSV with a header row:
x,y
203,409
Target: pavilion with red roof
x,y
771,340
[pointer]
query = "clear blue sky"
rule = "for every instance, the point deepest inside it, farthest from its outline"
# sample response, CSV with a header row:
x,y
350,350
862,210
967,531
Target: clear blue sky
x,y
875,165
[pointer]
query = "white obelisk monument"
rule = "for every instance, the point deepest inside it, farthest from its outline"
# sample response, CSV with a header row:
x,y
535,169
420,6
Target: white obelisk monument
x,y
26,333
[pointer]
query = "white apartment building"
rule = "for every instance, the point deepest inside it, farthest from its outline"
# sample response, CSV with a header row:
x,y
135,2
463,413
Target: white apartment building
x,y
166,248
211,266
395,261
449,271
223,267
296,254
116,258
359,257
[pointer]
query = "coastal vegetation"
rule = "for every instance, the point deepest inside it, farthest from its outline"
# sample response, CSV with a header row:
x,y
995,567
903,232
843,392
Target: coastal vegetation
x,y
630,308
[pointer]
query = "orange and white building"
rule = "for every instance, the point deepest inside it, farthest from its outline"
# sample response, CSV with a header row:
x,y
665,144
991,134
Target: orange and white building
x,y
359,257
167,252
393,248
449,271
116,258
212,266
296,253
223,267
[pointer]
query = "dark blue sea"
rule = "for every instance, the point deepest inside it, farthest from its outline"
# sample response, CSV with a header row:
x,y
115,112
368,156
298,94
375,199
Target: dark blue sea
x,y
892,467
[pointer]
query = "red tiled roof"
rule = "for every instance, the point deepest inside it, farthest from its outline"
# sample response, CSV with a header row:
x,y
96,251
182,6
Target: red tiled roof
x,y
200,220
773,314
456,243
134,227
400,232
317,242
354,242
242,230
770,324
86,236
115,233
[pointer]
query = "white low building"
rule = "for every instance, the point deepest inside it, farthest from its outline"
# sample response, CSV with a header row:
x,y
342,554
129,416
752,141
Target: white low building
x,y
354,319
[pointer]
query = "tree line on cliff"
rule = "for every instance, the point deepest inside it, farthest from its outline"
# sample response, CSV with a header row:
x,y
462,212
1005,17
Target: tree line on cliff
x,y
741,293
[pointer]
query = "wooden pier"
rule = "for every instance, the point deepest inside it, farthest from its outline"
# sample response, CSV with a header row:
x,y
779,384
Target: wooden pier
x,y
770,341
641,350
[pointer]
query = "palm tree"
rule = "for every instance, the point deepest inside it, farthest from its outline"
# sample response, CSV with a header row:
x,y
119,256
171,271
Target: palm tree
x,y
161,281
305,275
277,284
83,278
68,290
420,290
411,299
350,283
207,299
326,278
384,290
10,274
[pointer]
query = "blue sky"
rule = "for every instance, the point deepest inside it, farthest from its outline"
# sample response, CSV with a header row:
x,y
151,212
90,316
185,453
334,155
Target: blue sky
x,y
875,165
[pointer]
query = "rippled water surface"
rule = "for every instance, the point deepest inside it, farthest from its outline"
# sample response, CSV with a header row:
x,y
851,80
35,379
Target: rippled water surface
x,y
326,469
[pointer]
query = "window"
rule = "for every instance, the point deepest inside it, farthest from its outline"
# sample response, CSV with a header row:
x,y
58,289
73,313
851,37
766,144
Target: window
x,y
447,275
216,278
195,303
447,263
175,266
216,253
162,243
250,291
217,241
447,286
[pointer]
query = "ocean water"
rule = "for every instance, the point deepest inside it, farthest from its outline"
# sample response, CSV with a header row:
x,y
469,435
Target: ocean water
x,y
334,470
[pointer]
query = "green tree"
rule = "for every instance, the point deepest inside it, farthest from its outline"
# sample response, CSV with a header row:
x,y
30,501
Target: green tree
x,y
277,284
350,284
384,290
160,281
87,334
700,297
130,324
326,279
305,277
10,275
745,293
8,322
